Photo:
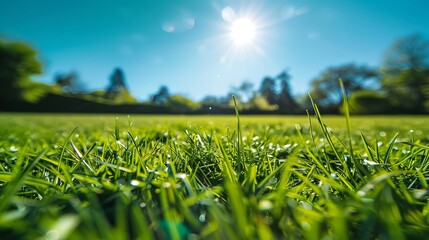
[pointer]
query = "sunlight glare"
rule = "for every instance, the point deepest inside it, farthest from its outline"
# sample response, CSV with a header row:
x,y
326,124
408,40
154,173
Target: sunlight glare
x,y
243,31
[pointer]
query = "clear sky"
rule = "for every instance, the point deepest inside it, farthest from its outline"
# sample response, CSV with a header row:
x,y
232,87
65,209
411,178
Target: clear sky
x,y
202,47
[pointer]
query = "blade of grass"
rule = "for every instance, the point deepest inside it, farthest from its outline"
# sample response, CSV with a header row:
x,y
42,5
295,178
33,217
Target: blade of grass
x,y
240,166
13,186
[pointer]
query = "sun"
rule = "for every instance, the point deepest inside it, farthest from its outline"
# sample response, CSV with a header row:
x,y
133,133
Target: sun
x,y
243,31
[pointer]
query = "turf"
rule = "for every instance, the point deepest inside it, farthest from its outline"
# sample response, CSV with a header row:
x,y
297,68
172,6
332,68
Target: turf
x,y
213,177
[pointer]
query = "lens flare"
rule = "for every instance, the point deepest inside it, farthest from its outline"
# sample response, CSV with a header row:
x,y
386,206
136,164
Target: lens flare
x,y
243,31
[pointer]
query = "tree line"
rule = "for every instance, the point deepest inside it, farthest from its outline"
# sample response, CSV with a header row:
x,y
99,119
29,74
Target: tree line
x,y
399,85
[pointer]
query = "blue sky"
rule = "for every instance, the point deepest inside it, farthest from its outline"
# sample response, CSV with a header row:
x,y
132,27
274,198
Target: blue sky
x,y
187,44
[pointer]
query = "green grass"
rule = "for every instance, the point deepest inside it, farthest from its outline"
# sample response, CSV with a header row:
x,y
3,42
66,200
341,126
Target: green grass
x,y
213,177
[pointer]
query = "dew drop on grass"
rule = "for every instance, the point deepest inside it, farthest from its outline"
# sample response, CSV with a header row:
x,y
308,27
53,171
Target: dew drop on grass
x,y
142,204
181,175
306,206
272,181
306,226
53,234
265,205
371,163
202,217
13,149
361,193
291,203
135,182
420,193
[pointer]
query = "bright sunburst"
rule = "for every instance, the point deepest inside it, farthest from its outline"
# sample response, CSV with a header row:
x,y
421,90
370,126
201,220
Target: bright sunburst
x,y
243,31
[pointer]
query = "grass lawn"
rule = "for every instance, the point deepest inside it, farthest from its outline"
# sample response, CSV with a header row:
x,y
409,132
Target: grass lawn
x,y
213,177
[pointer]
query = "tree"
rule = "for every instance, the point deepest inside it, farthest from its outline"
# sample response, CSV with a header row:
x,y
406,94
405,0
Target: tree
x,y
18,62
304,102
246,90
161,96
408,53
405,71
117,91
117,81
211,100
69,82
268,90
326,90
369,102
285,101
257,102
181,104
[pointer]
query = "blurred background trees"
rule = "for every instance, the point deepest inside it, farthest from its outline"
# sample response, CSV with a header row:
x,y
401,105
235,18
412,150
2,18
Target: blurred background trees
x,y
405,70
285,101
181,104
161,96
117,91
325,88
18,63
278,93
69,83
399,85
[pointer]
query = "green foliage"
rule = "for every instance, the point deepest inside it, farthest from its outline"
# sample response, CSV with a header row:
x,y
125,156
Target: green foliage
x,y
117,81
276,91
123,96
211,178
407,89
117,92
259,102
18,62
369,102
181,104
405,70
161,96
325,90
34,91
97,96
285,100
69,82
211,100
268,90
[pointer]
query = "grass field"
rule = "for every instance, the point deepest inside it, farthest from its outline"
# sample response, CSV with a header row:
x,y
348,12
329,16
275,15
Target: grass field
x,y
213,177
